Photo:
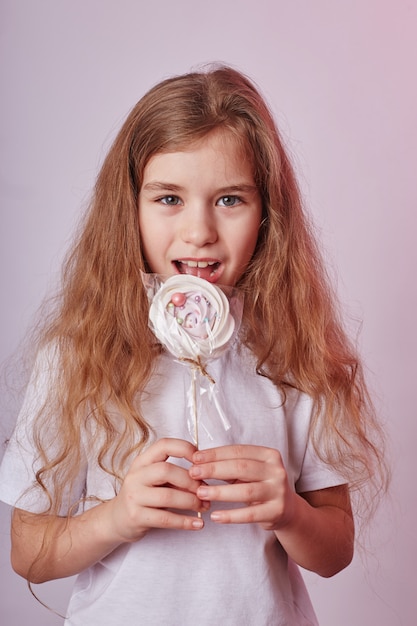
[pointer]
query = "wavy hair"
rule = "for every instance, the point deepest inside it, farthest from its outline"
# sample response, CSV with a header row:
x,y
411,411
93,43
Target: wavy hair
x,y
291,322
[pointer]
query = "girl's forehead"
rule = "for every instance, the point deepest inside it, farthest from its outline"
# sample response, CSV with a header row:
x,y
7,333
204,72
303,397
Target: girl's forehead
x,y
221,139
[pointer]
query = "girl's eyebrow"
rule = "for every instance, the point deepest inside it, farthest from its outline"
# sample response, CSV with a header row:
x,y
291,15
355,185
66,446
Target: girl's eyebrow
x,y
239,188
242,188
161,186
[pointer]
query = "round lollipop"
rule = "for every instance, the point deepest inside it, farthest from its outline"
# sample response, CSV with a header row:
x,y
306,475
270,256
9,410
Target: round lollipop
x,y
191,318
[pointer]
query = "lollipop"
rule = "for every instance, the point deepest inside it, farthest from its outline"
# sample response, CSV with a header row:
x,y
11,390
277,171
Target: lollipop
x,y
191,318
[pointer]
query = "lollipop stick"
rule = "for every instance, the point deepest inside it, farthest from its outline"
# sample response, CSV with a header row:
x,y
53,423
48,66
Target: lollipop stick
x,y
195,416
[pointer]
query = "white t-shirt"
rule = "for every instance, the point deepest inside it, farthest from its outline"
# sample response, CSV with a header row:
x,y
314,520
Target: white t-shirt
x,y
230,574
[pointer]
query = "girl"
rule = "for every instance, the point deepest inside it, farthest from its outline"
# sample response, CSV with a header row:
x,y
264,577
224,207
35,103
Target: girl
x,y
102,472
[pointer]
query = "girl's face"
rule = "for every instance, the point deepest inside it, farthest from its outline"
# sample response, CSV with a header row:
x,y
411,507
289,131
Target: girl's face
x,y
200,210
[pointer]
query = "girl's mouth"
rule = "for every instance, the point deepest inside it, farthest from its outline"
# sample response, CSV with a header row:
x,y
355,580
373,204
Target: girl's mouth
x,y
207,269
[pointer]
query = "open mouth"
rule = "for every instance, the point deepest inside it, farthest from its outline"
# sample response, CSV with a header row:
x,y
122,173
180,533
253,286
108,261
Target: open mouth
x,y
209,270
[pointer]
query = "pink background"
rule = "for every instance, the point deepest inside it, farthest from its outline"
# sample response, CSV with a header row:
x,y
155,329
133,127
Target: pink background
x,y
341,78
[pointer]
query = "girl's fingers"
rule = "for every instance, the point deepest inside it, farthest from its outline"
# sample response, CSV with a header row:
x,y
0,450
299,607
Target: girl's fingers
x,y
223,453
164,473
259,514
156,493
169,498
258,480
238,492
162,518
163,449
236,469
238,463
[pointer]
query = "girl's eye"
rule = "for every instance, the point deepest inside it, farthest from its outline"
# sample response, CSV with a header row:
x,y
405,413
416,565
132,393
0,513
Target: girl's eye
x,y
170,200
229,201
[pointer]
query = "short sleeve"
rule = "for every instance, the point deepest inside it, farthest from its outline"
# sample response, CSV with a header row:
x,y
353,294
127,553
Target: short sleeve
x,y
316,474
18,486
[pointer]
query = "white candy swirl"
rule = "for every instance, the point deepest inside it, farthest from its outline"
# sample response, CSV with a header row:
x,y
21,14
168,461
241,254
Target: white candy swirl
x,y
191,317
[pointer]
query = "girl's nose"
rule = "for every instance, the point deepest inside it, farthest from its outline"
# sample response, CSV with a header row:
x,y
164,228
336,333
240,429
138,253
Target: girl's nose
x,y
199,227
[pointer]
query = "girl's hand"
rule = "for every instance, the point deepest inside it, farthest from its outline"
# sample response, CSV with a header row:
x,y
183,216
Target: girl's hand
x,y
151,487
258,479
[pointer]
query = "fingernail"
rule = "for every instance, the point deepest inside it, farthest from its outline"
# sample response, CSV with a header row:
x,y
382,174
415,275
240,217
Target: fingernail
x,y
195,471
202,492
198,457
215,517
197,523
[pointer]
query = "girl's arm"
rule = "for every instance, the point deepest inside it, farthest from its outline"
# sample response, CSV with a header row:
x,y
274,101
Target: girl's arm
x,y
321,535
45,547
316,528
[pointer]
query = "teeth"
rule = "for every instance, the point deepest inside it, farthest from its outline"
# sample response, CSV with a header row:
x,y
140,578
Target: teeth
x,y
200,264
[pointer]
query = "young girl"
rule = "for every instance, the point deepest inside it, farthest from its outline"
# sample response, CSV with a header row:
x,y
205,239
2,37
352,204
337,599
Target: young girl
x,y
102,471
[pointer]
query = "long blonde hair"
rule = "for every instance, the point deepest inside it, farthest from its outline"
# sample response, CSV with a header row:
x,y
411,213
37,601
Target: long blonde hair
x,y
291,322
